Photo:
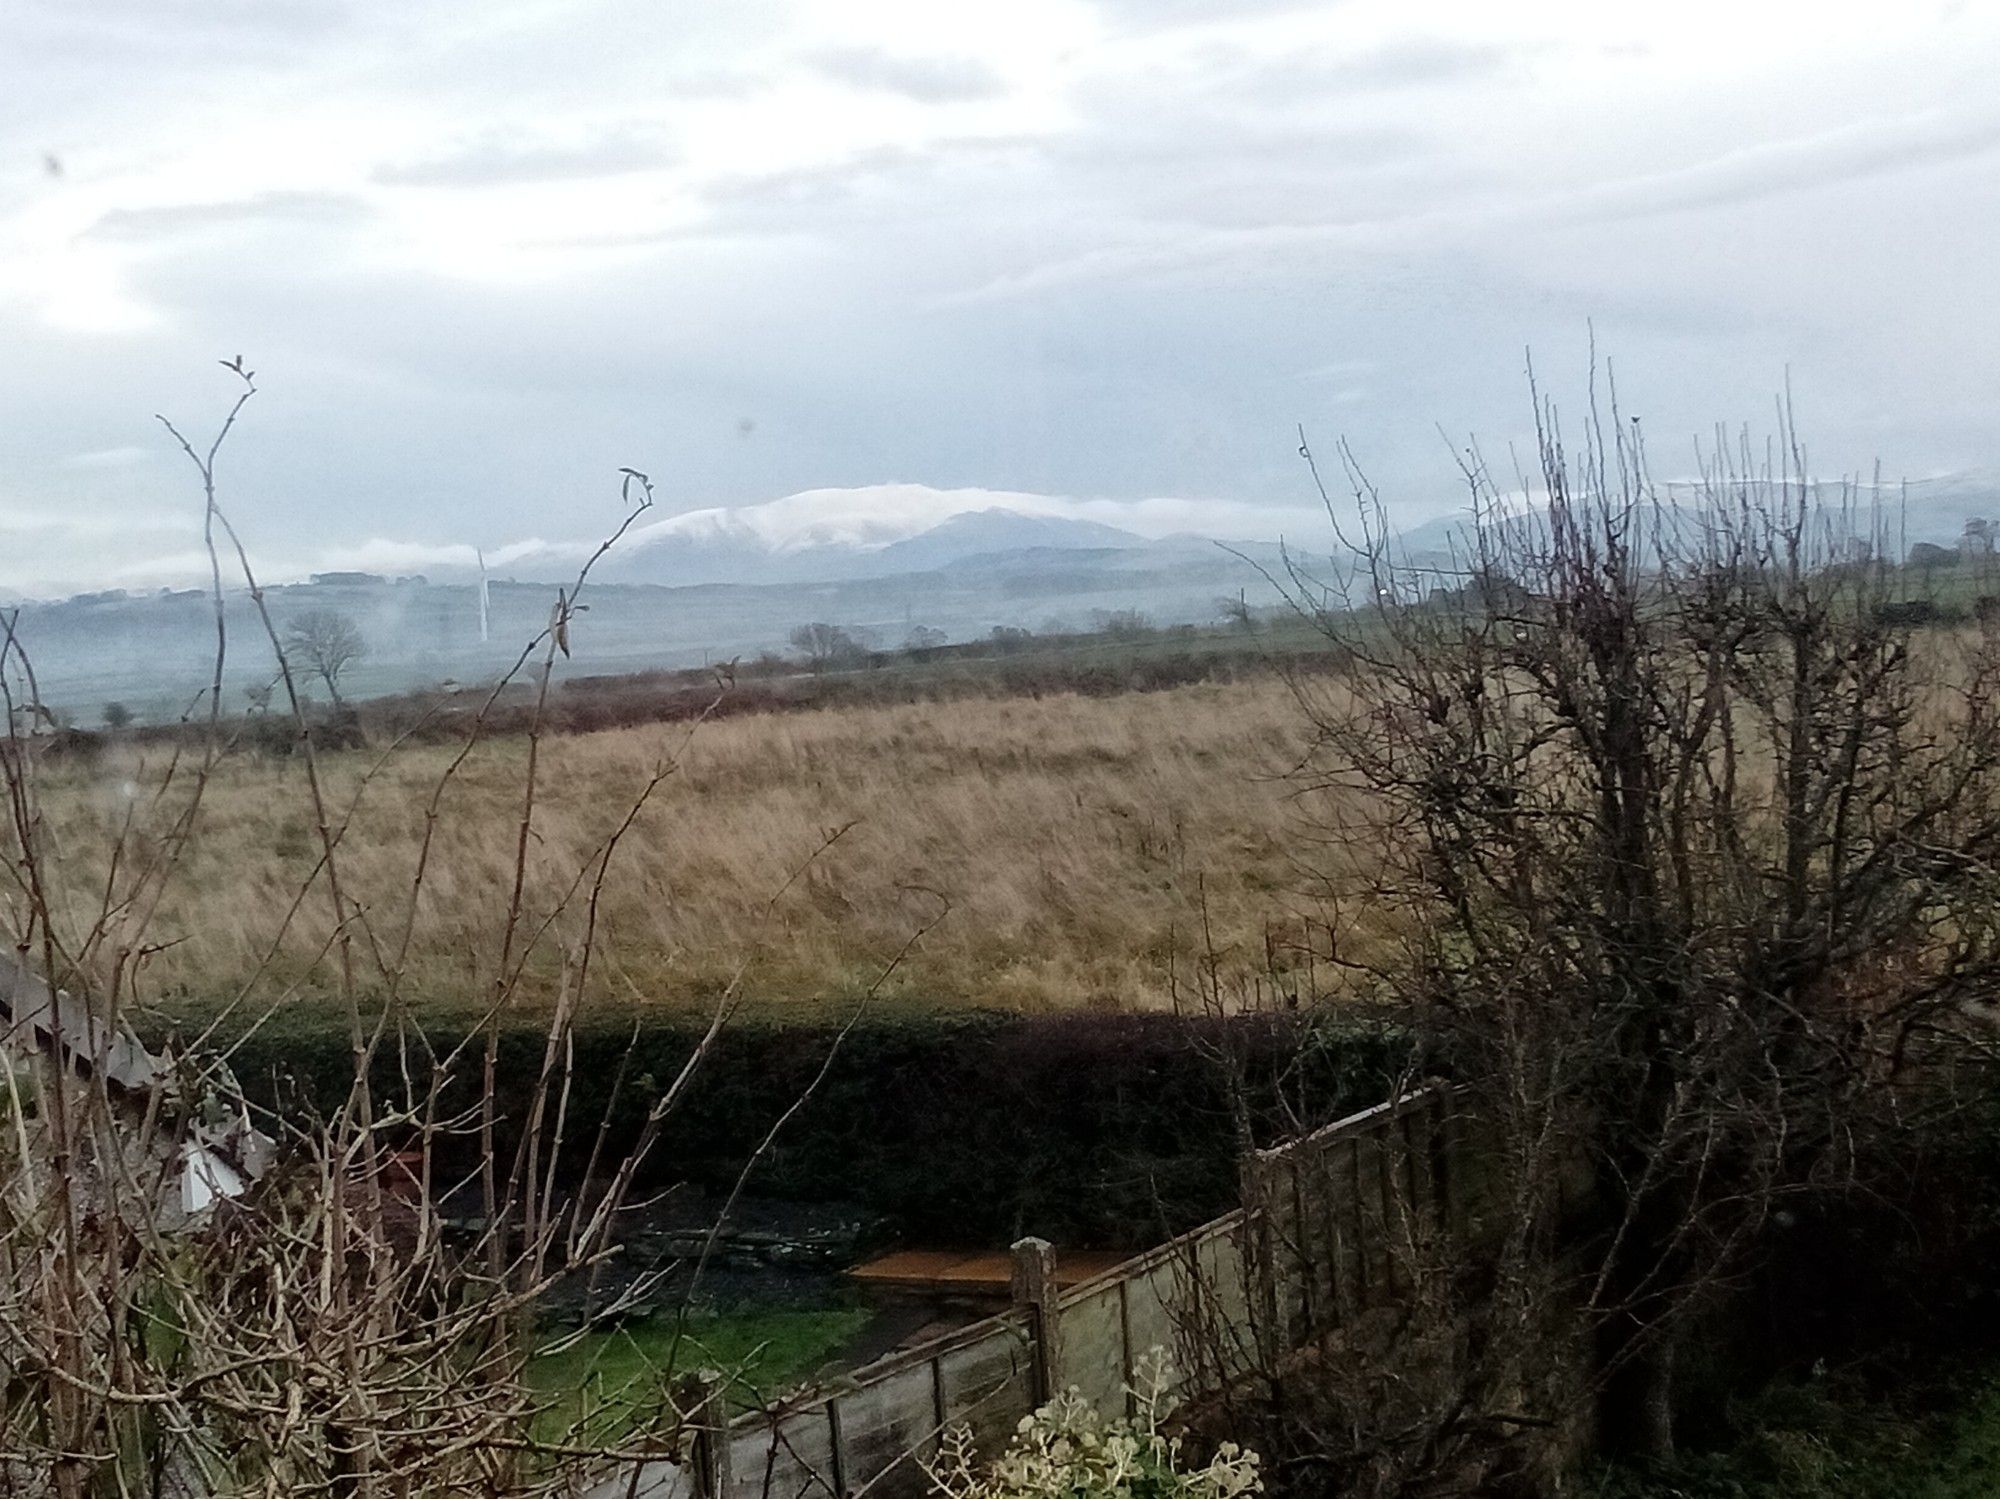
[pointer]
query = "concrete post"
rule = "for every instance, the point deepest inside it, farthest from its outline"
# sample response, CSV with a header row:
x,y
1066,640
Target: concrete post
x,y
1036,1293
705,1410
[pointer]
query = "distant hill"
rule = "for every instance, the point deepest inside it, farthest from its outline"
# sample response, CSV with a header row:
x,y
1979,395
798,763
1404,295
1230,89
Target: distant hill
x,y
1933,510
152,652
724,582
788,540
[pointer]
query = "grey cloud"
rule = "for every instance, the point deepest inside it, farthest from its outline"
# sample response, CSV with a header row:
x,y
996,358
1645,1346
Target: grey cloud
x,y
882,169
1192,142
827,182
1161,14
125,456
149,30
1422,60
276,209
1871,148
717,83
201,22
294,17
507,157
1328,73
928,80
1182,159
1219,135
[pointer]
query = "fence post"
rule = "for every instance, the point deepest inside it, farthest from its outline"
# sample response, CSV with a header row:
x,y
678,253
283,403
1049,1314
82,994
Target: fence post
x,y
705,1411
836,1448
1036,1293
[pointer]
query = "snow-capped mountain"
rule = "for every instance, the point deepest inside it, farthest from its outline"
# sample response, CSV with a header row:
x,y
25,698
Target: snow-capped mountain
x,y
816,535
831,535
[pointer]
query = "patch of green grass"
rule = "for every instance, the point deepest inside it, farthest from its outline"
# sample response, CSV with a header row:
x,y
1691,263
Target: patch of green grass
x,y
607,1378
1810,1442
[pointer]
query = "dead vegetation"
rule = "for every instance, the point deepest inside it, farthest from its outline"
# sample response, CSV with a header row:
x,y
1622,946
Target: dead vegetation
x,y
1090,847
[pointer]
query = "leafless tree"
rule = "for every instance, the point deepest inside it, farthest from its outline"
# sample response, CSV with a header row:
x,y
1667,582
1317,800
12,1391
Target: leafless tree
x,y
1682,846
826,647
326,643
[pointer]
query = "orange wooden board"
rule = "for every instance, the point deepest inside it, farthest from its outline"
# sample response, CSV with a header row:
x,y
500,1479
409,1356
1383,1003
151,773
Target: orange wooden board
x,y
987,1273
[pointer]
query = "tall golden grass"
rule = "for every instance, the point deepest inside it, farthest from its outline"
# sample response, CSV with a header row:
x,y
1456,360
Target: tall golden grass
x,y
1092,851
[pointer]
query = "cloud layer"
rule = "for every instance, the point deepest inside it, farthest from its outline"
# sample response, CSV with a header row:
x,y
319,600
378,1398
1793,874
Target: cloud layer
x,y
482,254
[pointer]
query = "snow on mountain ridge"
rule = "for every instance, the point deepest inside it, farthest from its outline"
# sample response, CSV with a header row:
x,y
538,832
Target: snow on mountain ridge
x,y
864,519
815,533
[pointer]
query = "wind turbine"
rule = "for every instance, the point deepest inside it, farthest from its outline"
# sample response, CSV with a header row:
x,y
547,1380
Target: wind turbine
x,y
481,553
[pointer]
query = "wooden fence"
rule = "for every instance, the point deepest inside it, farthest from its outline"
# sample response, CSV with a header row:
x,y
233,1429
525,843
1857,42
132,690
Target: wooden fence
x,y
1329,1224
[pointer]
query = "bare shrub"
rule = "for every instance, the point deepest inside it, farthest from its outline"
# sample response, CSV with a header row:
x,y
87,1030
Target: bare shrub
x,y
1686,843
193,1302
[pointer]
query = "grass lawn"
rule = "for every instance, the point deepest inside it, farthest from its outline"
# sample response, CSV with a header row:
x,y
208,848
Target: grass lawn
x,y
601,1377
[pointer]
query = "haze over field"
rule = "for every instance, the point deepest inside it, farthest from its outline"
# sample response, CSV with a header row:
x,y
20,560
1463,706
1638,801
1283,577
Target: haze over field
x,y
716,585
1090,259
153,653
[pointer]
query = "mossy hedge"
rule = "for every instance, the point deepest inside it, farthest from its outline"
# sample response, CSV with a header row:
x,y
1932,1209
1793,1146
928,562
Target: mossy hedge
x,y
964,1129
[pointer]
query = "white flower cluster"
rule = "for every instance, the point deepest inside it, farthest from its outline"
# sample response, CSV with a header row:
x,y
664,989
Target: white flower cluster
x,y
1066,1450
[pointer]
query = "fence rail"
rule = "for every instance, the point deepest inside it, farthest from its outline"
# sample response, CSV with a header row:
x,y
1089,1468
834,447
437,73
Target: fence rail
x,y
1329,1226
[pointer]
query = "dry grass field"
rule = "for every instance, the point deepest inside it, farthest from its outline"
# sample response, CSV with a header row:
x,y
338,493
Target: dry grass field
x,y
1084,845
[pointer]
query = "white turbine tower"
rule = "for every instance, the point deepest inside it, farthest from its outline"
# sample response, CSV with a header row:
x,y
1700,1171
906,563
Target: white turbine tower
x,y
481,551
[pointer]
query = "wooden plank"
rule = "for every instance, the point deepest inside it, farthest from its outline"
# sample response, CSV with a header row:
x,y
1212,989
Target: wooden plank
x,y
952,1272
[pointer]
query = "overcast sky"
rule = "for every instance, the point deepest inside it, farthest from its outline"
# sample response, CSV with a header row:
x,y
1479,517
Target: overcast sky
x,y
483,253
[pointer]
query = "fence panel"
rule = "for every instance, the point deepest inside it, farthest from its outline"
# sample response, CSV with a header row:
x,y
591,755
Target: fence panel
x,y
786,1456
1217,1329
1152,1314
989,1383
652,1480
1093,1344
887,1429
